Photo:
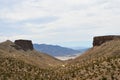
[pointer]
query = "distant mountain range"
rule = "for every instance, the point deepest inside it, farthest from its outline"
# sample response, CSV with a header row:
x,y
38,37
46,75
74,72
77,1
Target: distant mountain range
x,y
55,50
81,49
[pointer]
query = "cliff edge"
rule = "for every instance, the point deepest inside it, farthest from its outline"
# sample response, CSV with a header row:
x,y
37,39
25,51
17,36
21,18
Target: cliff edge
x,y
98,40
24,44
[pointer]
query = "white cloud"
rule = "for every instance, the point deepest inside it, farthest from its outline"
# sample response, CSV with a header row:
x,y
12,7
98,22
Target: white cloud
x,y
78,20
30,9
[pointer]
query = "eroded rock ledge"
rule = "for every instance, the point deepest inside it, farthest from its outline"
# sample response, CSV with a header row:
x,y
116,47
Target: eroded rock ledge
x,y
98,40
24,44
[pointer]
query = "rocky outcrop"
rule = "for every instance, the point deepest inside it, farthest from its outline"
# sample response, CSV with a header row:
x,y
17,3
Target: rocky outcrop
x,y
24,44
97,41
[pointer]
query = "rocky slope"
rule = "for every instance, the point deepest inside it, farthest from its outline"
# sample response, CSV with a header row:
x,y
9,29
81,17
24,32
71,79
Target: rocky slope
x,y
98,63
13,50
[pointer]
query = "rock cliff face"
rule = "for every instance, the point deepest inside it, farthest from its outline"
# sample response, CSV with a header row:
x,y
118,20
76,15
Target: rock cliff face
x,y
97,41
24,44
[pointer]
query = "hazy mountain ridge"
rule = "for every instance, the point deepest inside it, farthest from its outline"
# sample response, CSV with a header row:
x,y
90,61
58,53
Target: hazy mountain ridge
x,y
81,49
55,50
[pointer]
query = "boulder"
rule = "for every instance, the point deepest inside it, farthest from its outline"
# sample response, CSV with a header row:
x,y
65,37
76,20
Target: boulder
x,y
98,40
24,44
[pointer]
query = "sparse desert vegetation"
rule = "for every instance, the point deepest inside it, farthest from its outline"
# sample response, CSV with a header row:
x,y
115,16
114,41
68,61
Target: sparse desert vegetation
x,y
98,63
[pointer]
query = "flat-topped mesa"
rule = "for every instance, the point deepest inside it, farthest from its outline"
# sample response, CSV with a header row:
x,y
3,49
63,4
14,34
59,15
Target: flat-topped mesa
x,y
98,40
24,44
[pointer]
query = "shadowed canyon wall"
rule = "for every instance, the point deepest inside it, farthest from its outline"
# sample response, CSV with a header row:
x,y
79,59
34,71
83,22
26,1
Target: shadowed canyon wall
x,y
98,40
24,44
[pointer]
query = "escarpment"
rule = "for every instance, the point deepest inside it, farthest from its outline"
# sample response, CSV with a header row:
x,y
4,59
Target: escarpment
x,y
98,40
24,44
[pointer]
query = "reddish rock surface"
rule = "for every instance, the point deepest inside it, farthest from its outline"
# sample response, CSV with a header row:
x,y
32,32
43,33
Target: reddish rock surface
x,y
97,41
24,44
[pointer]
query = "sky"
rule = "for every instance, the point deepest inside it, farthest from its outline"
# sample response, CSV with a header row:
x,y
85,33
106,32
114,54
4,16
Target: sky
x,y
68,23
